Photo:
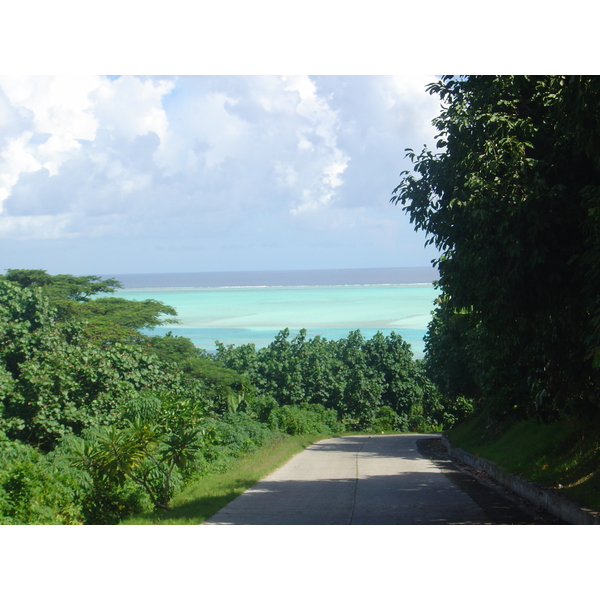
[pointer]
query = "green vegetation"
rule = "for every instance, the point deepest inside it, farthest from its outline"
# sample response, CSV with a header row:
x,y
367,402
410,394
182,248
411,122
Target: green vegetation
x,y
355,377
511,198
106,320
563,455
203,498
99,422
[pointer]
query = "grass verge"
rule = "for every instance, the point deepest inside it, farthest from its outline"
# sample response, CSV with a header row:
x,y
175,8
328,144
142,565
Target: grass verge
x,y
564,456
203,498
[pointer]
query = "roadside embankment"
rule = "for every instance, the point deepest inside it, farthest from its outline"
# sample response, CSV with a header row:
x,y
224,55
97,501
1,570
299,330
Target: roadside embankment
x,y
564,508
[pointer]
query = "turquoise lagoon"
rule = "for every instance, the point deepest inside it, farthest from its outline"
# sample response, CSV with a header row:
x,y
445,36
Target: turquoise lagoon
x,y
241,315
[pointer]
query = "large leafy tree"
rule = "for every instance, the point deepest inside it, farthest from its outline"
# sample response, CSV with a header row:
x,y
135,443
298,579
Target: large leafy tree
x,y
64,287
107,320
511,197
55,381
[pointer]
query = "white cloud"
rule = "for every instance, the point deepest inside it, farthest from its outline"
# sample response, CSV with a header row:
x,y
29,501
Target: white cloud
x,y
378,118
332,171
410,105
207,157
318,121
60,107
202,133
286,175
15,158
65,116
304,144
130,106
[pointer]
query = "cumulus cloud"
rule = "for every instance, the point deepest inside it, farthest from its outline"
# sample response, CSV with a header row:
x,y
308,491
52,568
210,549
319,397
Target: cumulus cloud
x,y
203,132
131,106
321,123
179,158
16,158
60,117
74,121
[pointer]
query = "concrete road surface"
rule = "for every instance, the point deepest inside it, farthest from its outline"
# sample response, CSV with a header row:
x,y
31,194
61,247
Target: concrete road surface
x,y
369,480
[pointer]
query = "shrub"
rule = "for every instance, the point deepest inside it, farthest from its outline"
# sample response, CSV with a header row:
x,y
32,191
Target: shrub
x,y
457,409
109,504
304,418
387,419
261,407
236,431
37,489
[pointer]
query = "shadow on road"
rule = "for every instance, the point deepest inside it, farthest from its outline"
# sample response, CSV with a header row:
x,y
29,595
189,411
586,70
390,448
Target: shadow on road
x,y
501,506
378,446
402,499
435,492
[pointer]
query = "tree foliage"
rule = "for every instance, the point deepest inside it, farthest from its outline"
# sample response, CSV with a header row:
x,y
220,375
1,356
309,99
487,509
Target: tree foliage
x,y
35,488
353,376
511,198
218,383
105,320
151,458
65,287
55,381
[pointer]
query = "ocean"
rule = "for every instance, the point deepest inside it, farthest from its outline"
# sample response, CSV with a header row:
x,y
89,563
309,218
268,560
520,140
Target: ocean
x,y
252,307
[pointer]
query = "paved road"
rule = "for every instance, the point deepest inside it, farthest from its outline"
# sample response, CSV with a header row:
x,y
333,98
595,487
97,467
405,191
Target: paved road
x,y
370,480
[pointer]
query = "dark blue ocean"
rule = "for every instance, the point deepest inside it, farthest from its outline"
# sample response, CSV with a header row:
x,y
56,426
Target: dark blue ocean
x,y
382,276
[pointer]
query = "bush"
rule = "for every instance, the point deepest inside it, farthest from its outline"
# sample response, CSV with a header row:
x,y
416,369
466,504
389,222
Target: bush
x,y
228,437
304,418
457,409
237,431
260,408
388,419
108,504
37,489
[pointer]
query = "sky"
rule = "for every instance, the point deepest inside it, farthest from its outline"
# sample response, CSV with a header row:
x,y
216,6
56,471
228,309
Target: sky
x,y
273,141
143,174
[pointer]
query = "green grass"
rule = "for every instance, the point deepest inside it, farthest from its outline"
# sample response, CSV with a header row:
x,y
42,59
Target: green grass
x,y
203,498
564,455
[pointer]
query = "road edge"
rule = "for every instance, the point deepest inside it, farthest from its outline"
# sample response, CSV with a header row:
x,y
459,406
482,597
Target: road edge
x,y
564,508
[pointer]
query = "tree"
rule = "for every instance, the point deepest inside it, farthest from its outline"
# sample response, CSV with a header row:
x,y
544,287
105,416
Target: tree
x,y
363,384
107,320
110,320
353,376
55,381
447,346
67,287
511,198
225,388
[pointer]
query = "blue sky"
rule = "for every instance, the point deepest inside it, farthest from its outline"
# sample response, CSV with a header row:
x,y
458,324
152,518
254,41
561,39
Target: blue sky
x,y
142,174
234,168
